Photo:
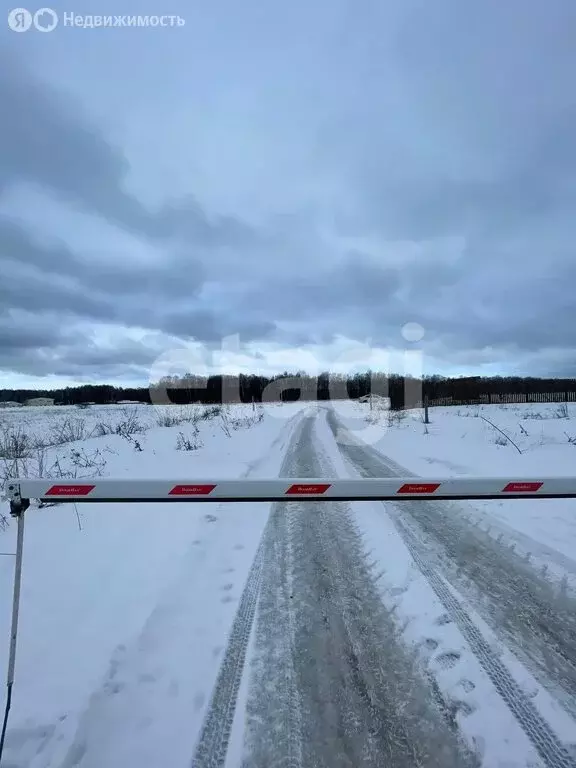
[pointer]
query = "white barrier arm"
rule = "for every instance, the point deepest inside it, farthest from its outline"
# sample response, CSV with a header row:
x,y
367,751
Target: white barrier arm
x,y
20,491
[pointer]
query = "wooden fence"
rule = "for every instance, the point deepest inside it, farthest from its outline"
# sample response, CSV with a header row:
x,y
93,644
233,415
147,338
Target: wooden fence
x,y
500,399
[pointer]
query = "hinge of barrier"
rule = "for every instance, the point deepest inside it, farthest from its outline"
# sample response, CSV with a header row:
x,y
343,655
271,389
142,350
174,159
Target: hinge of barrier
x,y
18,505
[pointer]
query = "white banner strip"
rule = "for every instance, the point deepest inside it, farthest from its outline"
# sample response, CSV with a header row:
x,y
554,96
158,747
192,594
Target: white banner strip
x,y
290,489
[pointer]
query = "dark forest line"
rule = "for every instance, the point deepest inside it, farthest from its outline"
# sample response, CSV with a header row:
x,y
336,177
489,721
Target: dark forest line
x,y
288,387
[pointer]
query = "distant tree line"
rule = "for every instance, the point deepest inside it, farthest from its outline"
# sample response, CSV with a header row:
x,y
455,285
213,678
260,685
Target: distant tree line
x,y
289,387
87,393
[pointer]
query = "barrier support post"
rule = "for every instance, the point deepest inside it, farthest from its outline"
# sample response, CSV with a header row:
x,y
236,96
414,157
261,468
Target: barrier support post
x,y
18,506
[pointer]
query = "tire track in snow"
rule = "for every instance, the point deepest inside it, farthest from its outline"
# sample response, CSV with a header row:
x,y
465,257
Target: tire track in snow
x,y
212,745
215,734
332,685
537,548
536,728
533,724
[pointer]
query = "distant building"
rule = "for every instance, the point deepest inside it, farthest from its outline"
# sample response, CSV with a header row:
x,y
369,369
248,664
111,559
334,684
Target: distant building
x,y
381,402
10,404
40,401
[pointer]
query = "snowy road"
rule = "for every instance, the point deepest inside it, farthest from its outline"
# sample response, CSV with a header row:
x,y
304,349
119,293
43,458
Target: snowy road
x,y
331,682
532,616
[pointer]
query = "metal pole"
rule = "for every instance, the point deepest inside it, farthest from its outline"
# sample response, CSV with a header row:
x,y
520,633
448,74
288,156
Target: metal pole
x,y
14,630
16,600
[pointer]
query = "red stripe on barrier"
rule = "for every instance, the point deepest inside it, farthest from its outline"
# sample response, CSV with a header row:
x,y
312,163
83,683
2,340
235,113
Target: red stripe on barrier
x,y
69,490
418,488
191,490
522,487
307,489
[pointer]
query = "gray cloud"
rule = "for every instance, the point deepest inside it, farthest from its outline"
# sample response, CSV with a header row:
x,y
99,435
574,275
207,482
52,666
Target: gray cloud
x,y
404,128
174,276
15,337
43,345
47,139
157,296
481,138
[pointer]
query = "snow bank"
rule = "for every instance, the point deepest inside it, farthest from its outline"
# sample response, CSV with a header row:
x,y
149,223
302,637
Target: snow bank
x,y
94,599
482,716
458,441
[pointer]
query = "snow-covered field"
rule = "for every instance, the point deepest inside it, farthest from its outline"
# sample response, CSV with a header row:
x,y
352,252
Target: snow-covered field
x,y
127,610
88,594
459,442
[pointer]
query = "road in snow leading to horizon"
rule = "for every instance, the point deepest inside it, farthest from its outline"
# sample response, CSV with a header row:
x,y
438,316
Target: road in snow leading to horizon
x,y
301,634
332,683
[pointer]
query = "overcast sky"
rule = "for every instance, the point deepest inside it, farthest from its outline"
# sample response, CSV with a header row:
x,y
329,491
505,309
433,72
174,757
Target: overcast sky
x,y
292,183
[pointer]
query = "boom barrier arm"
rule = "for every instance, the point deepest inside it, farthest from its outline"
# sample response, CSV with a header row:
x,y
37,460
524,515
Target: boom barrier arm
x,y
21,491
99,490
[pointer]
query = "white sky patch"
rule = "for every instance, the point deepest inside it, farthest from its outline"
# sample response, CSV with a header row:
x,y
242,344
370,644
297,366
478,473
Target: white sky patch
x,y
13,380
178,361
109,335
173,356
